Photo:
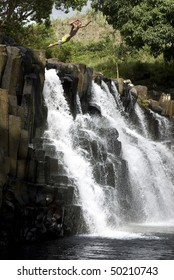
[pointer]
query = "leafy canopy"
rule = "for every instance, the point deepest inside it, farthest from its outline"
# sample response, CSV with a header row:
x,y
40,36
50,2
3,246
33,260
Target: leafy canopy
x,y
64,5
16,13
142,22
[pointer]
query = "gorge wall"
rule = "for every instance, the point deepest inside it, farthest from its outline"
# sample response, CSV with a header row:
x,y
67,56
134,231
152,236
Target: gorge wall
x,y
22,119
37,197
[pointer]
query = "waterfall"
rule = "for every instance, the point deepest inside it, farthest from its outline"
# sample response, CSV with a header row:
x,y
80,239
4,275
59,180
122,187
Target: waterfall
x,y
142,121
109,200
150,167
165,126
62,129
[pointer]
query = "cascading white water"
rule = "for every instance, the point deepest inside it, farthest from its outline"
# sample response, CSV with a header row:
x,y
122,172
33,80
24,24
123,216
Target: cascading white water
x,y
150,164
61,129
164,124
142,120
150,167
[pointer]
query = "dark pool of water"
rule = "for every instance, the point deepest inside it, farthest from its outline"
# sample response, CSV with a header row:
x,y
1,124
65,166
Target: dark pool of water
x,y
158,247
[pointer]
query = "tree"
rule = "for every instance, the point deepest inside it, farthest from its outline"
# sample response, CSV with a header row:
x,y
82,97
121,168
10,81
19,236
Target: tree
x,y
66,4
142,22
16,13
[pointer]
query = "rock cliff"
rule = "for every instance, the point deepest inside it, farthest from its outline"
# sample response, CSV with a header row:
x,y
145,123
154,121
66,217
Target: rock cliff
x,y
22,119
37,197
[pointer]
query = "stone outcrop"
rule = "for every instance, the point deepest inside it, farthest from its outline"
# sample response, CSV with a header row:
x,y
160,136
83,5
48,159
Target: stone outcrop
x,y
22,118
36,194
159,102
164,106
142,91
76,79
128,97
25,200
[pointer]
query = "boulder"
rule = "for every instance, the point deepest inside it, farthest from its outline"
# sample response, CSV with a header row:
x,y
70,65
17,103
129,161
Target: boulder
x,y
142,91
154,105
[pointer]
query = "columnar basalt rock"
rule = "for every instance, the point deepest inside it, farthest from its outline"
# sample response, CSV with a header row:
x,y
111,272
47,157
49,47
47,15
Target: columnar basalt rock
x,y
36,193
22,117
76,79
13,65
35,190
3,60
159,102
4,120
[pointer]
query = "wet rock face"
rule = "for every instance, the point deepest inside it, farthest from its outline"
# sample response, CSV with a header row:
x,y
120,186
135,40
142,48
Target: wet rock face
x,y
3,59
22,117
34,211
158,101
76,79
36,194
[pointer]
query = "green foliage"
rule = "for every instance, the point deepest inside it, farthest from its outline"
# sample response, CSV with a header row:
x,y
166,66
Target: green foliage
x,y
35,36
142,22
66,4
14,14
143,102
100,48
63,53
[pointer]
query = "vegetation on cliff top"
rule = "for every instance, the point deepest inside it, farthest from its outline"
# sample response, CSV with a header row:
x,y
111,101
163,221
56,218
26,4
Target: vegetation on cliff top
x,y
100,45
142,22
14,14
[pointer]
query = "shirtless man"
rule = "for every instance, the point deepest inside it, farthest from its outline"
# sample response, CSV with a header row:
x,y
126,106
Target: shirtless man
x,y
75,26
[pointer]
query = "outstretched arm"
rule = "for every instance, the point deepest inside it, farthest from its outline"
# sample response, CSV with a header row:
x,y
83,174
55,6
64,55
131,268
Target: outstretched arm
x,y
85,24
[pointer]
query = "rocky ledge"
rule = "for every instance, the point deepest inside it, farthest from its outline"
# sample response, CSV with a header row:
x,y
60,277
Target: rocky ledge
x,y
36,194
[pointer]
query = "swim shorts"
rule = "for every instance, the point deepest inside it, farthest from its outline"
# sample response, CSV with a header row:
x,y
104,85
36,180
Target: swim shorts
x,y
63,40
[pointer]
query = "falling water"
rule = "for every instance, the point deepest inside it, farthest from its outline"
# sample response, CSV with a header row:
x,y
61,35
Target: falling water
x,y
150,169
165,126
62,129
142,120
150,164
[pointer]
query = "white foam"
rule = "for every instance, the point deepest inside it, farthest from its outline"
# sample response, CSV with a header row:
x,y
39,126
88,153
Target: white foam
x,y
150,165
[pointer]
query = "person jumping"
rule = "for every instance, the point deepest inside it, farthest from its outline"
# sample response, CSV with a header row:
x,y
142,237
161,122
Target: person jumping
x,y
75,26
